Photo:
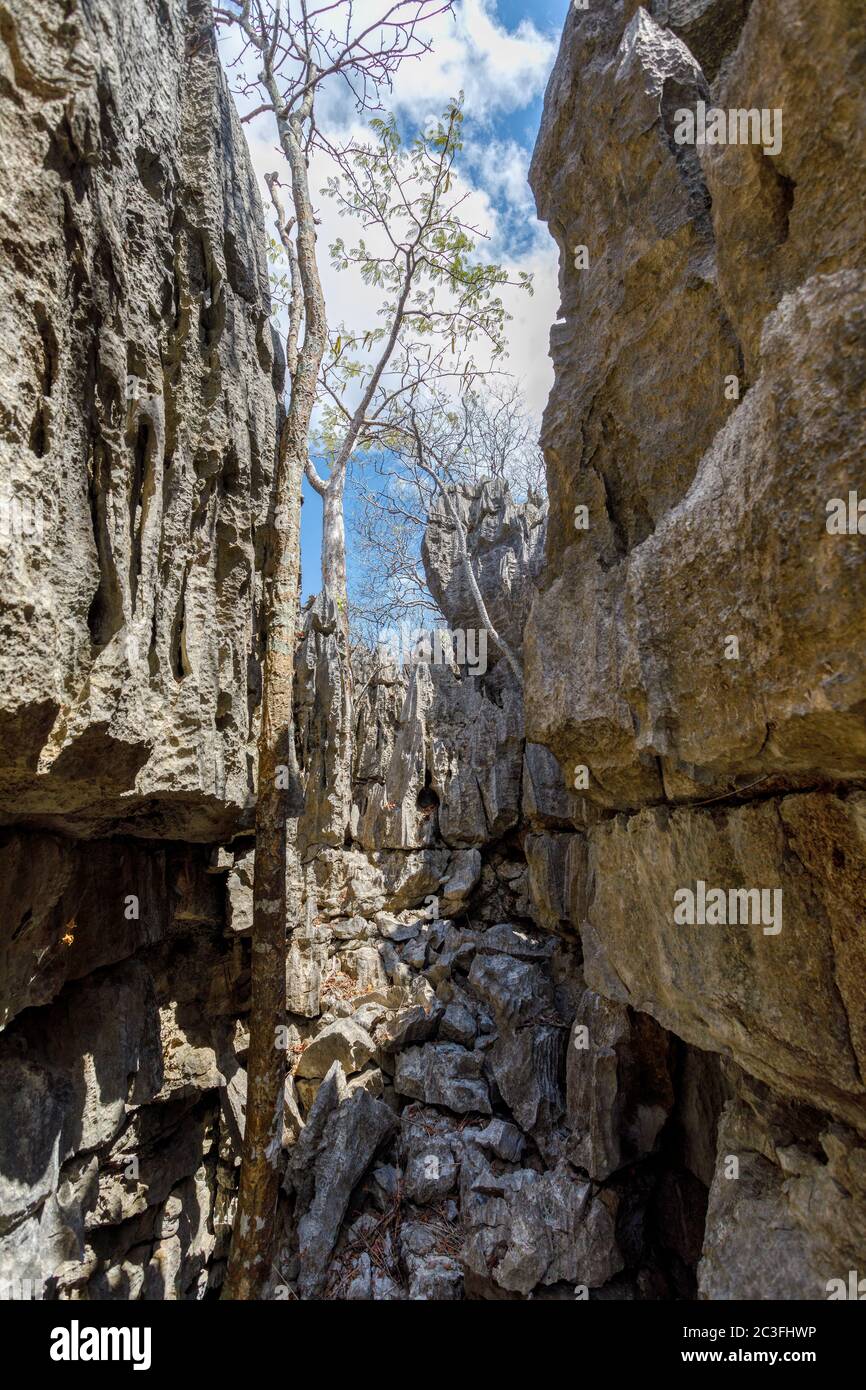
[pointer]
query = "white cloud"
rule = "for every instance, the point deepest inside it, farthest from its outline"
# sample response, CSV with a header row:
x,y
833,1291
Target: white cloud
x,y
500,70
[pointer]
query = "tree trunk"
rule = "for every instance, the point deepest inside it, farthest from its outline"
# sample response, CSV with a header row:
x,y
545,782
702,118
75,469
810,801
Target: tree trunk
x,y
252,1239
334,549
279,800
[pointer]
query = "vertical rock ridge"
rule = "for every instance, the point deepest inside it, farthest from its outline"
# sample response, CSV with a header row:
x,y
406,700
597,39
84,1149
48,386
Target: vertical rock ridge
x,y
695,651
139,388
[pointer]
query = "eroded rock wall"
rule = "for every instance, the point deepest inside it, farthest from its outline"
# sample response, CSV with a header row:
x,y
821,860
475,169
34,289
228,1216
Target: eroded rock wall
x,y
138,396
138,376
695,654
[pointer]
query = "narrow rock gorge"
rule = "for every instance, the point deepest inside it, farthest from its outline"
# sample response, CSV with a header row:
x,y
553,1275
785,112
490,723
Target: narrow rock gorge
x,y
515,1072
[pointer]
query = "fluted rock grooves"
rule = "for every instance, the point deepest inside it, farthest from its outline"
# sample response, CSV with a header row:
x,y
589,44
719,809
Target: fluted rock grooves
x,y
514,1072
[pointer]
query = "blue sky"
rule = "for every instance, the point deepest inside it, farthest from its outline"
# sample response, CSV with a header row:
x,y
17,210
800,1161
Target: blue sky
x,y
499,52
548,16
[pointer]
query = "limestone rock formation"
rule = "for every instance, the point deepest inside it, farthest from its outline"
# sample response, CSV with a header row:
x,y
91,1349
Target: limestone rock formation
x,y
139,386
138,371
694,654
505,543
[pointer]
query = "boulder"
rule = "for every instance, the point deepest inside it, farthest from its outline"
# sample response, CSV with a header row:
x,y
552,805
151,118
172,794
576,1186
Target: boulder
x,y
443,1074
343,1041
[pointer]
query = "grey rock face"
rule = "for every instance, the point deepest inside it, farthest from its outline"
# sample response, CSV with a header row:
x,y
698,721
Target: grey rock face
x,y
517,992
528,1229
430,1170
468,907
786,1213
138,388
458,1025
306,965
464,875
745,987
323,717
505,542
620,1091
343,1041
694,652
69,910
502,1139
443,1074
351,1136
138,375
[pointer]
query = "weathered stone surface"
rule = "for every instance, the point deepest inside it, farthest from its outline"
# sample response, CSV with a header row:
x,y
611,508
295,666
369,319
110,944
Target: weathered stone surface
x,y
607,176
476,758
139,379
128,1031
69,908
438,1278
443,1074
393,815
133,250
189,1067
526,1064
322,721
502,1139
516,991
353,1132
620,1090
699,640
431,1171
505,542
794,1219
546,798
709,28
415,1025
378,716
527,1228
706,575
551,872
239,894
306,966
366,966
343,1041
464,873
33,1105
103,1035
505,939
744,989
458,1025
770,214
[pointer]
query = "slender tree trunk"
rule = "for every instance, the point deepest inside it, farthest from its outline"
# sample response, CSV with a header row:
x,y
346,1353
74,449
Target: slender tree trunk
x,y
252,1239
278,803
334,548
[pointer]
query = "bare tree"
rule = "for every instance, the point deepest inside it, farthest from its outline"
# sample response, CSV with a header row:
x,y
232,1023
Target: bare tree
x,y
502,439
488,433
294,49
439,302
